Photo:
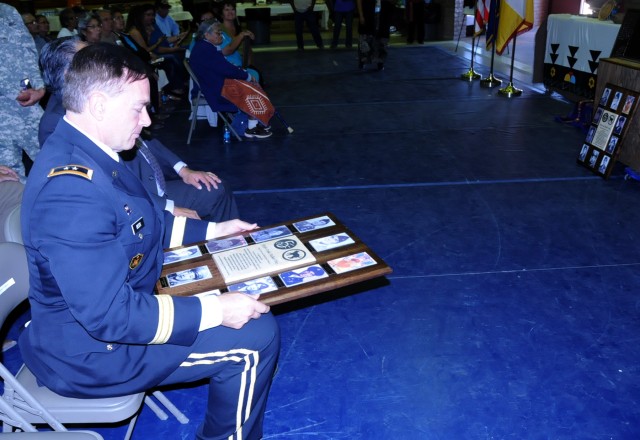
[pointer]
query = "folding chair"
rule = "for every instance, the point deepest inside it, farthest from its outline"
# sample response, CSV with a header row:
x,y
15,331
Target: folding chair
x,y
195,103
8,415
34,404
12,230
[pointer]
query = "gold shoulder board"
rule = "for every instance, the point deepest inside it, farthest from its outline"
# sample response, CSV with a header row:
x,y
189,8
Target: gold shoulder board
x,y
77,170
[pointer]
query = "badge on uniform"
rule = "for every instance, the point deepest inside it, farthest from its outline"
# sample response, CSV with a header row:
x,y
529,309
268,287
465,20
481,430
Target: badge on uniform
x,y
135,261
76,170
137,226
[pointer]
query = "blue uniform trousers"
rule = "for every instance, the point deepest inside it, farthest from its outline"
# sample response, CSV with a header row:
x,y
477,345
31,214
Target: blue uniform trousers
x,y
240,365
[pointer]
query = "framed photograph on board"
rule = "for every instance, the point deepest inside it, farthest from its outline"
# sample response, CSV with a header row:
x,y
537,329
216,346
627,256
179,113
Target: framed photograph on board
x,y
605,136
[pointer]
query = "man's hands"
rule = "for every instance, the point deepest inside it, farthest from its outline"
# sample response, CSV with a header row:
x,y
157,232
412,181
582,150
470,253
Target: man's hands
x,y
29,97
197,178
8,175
179,211
238,309
234,226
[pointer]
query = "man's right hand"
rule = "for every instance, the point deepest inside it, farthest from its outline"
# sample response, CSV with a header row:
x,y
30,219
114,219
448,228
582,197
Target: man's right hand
x,y
238,309
179,211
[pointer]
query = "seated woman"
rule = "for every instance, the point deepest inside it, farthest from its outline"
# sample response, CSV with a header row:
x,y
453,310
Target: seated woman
x,y
139,27
90,28
211,68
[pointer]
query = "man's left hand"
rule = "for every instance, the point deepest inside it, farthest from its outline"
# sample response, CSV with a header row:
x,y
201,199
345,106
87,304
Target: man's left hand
x,y
197,178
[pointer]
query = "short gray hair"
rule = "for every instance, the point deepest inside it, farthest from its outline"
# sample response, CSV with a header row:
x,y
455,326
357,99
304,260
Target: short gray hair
x,y
207,27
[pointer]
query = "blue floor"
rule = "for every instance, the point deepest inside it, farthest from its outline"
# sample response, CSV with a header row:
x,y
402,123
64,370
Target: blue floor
x,y
512,311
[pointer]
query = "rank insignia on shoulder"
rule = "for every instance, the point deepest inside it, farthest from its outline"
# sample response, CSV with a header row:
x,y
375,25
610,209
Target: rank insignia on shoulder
x,y
135,261
77,170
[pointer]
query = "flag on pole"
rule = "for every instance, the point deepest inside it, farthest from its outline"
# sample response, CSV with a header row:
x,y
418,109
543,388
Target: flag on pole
x,y
482,15
516,17
492,23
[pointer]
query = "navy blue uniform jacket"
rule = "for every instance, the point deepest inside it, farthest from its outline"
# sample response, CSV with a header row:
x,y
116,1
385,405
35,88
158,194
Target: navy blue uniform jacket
x,y
94,242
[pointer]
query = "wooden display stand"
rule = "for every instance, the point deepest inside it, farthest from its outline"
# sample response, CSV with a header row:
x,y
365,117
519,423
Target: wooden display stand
x,y
283,293
623,73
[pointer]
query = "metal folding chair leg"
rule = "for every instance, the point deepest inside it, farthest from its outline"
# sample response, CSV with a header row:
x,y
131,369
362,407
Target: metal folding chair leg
x,y
227,123
169,406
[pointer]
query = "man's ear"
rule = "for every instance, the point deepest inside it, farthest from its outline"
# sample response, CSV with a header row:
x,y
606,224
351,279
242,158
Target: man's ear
x,y
97,105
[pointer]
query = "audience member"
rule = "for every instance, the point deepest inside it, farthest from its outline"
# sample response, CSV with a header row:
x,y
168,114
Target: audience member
x,y
343,11
97,327
186,197
43,28
55,58
19,116
167,25
414,14
233,36
107,35
118,20
68,23
211,68
32,26
303,12
142,29
374,32
90,28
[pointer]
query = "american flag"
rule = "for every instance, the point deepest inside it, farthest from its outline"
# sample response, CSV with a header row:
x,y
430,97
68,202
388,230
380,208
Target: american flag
x,y
482,15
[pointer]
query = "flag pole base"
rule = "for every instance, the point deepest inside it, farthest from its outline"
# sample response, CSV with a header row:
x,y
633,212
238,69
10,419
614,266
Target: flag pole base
x,y
510,91
490,81
470,75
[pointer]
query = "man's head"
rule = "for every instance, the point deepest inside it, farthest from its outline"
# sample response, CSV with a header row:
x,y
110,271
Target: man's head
x,y
31,23
55,59
106,93
162,8
68,19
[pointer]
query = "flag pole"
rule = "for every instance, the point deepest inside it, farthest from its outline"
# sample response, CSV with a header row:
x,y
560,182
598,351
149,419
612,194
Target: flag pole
x,y
471,75
511,90
491,81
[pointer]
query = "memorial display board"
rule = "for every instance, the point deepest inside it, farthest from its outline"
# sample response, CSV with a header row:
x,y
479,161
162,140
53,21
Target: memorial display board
x,y
605,137
282,262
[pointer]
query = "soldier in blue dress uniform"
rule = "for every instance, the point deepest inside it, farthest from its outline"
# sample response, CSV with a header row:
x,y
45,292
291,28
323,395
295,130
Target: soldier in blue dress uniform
x,y
94,240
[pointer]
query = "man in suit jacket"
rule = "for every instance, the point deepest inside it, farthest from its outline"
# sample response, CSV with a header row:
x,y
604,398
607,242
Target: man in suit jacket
x,y
94,240
198,195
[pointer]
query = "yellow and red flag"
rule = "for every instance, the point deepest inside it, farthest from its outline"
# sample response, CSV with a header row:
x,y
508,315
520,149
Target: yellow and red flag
x,y
516,17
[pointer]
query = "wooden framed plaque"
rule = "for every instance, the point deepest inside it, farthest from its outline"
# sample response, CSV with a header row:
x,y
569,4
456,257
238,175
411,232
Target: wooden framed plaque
x,y
281,262
612,116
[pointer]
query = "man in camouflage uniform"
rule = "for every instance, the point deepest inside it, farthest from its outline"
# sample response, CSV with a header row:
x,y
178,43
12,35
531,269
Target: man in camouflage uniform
x,y
19,117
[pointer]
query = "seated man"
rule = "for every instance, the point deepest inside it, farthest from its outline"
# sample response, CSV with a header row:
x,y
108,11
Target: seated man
x,y
183,197
211,68
32,25
94,241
